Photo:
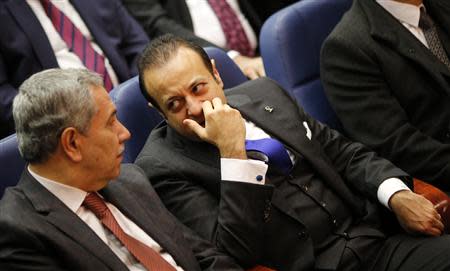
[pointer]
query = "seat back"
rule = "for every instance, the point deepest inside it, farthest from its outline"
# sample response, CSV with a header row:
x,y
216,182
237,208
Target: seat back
x,y
290,43
133,110
229,72
135,113
11,162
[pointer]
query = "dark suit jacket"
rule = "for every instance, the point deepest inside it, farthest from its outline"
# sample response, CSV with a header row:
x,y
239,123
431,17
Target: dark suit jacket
x,y
388,89
38,232
186,175
159,17
25,49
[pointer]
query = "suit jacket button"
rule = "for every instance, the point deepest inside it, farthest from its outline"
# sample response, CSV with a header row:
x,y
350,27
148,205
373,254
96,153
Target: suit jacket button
x,y
302,234
323,204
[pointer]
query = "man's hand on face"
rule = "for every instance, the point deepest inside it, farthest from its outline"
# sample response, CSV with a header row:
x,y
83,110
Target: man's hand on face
x,y
224,127
416,214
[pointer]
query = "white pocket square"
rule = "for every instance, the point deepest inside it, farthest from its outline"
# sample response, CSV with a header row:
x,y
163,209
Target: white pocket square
x,y
308,131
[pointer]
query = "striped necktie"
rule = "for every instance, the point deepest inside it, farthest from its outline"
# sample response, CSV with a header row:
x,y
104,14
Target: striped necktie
x,y
232,28
77,42
149,258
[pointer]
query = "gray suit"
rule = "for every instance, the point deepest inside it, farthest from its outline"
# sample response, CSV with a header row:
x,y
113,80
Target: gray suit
x,y
390,92
298,222
38,232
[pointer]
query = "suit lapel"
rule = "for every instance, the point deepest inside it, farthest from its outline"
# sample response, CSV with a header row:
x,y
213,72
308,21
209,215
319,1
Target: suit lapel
x,y
64,220
405,43
271,117
32,28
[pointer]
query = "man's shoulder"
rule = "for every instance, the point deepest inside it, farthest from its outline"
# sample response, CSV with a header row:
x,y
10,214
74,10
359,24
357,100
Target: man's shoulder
x,y
16,210
353,25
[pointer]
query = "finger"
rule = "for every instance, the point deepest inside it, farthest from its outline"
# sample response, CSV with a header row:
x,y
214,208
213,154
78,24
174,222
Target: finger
x,y
260,70
207,107
441,205
433,232
195,127
217,103
227,107
439,225
251,73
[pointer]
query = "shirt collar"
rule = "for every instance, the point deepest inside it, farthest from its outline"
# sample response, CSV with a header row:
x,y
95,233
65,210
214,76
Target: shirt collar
x,y
405,13
72,197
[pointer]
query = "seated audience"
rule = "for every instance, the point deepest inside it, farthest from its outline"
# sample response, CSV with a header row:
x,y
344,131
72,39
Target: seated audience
x,y
312,206
41,34
386,71
76,207
229,24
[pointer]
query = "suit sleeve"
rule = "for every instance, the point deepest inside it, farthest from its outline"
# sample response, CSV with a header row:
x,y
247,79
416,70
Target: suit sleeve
x,y
133,39
371,114
20,250
232,222
360,167
156,21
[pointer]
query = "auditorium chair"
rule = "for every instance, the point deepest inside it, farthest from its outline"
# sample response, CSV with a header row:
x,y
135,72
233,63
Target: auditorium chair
x,y
290,43
11,163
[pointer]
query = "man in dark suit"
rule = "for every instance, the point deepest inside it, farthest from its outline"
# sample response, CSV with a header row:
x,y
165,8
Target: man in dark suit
x,y
387,86
159,17
68,132
312,215
29,43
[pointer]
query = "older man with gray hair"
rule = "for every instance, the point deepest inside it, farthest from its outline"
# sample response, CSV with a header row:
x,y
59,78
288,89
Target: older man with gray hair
x,y
66,213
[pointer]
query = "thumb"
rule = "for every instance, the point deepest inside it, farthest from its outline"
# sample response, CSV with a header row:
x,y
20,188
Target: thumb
x,y
195,127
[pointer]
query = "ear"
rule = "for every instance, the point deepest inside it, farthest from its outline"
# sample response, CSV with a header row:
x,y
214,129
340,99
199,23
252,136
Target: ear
x,y
70,142
217,77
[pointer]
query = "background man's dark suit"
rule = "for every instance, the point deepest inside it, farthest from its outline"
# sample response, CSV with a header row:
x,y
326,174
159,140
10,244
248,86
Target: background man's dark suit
x,y
159,17
390,92
40,233
256,222
25,49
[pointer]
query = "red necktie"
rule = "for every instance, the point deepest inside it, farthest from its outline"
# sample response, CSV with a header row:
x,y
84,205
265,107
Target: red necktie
x,y
232,27
149,258
77,43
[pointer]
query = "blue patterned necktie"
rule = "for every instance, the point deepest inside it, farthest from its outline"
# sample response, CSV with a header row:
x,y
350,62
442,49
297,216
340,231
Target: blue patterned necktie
x,y
274,150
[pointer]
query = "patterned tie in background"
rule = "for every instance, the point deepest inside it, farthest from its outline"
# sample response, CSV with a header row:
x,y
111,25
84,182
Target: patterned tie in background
x,y
149,258
77,43
431,35
234,32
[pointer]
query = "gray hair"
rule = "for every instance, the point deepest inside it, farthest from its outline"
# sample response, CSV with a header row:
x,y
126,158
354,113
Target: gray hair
x,y
47,103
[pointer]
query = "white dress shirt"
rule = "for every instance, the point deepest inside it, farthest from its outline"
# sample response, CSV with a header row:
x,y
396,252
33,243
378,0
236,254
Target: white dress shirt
x,y
408,15
64,57
207,26
254,171
73,198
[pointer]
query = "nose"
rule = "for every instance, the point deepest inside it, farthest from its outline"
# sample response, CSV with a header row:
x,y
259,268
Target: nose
x,y
194,107
124,134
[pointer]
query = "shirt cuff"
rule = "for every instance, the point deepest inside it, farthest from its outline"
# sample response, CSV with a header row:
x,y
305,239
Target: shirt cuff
x,y
232,54
388,188
247,171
